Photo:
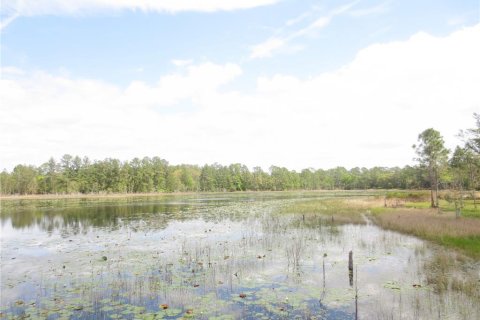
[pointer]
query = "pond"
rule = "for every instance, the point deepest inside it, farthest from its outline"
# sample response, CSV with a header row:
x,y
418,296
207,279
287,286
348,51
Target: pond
x,y
219,256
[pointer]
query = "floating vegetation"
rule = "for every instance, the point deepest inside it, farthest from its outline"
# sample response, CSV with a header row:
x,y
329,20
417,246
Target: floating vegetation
x,y
235,258
392,285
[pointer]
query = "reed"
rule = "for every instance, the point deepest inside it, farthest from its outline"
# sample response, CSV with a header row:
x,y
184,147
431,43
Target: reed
x,y
338,211
410,215
461,233
446,271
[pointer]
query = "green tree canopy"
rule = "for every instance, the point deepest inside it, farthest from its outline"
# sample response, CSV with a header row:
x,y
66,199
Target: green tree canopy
x,y
432,155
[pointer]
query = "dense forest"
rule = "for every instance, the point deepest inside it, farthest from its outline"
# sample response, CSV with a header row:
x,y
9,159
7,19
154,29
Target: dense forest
x,y
437,168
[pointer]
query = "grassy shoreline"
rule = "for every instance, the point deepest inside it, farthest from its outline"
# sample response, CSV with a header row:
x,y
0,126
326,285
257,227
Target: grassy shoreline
x,y
442,228
407,214
161,194
90,195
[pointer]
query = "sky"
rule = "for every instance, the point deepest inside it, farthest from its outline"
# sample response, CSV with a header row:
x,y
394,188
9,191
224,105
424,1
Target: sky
x,y
300,84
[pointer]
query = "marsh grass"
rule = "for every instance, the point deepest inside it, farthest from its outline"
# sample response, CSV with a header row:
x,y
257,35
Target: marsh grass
x,y
461,233
267,257
294,251
414,216
446,271
420,195
468,210
337,211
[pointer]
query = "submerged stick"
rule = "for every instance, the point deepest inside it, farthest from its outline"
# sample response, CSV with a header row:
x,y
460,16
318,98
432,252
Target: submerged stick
x,y
324,282
350,267
350,261
356,294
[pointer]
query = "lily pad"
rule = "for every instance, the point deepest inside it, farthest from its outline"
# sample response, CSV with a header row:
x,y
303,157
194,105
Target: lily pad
x,y
392,285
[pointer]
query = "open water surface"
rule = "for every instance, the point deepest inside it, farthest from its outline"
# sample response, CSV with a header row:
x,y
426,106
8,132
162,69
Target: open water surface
x,y
217,256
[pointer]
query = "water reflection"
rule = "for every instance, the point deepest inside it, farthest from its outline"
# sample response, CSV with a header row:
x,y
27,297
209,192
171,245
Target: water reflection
x,y
83,213
211,258
82,219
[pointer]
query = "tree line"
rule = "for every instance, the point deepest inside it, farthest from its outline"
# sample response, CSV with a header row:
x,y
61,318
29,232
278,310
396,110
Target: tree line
x,y
73,174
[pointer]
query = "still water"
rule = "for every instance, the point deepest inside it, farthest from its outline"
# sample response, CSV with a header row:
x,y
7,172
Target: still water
x,y
227,256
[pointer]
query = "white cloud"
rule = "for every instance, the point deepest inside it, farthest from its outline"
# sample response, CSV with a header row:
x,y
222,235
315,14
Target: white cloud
x,y
17,8
280,43
463,19
298,19
265,49
198,81
318,24
275,44
42,7
42,114
455,21
7,20
369,112
374,10
181,62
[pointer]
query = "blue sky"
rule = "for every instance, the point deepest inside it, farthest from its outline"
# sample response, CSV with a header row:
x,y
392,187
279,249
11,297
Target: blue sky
x,y
124,44
200,81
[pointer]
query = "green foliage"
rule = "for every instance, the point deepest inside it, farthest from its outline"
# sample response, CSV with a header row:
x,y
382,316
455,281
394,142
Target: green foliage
x,y
73,174
411,195
470,244
431,149
432,155
473,135
420,204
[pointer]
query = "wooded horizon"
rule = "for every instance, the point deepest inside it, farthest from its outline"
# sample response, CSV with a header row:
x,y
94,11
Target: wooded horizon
x,y
72,174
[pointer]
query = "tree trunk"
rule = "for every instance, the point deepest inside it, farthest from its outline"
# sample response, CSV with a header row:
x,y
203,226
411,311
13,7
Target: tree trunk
x,y
432,186
473,184
474,199
432,204
458,211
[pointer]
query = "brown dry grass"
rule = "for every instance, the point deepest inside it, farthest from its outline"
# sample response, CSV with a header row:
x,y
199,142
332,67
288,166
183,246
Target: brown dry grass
x,y
428,223
461,233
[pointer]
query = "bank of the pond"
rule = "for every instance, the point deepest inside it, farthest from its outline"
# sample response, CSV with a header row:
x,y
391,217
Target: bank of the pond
x,y
406,214
461,233
334,192
90,195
